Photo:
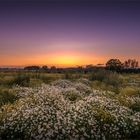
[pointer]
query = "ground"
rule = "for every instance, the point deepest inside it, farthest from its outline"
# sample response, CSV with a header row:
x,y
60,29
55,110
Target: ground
x,y
99,105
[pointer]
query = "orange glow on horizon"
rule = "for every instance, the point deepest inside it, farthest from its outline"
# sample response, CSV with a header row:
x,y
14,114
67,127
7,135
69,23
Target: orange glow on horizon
x,y
59,60
65,60
58,57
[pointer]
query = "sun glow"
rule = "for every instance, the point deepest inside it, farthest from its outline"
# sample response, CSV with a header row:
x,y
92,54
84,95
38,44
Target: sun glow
x,y
66,60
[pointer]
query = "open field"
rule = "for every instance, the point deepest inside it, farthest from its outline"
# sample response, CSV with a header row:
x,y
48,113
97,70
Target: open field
x,y
98,105
69,69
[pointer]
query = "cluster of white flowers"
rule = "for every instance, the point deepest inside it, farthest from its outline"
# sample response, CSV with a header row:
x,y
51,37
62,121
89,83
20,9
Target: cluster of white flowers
x,y
45,113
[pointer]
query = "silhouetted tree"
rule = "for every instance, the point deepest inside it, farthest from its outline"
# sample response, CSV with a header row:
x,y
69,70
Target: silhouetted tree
x,y
126,64
53,69
114,64
32,68
44,67
89,66
79,69
137,64
131,63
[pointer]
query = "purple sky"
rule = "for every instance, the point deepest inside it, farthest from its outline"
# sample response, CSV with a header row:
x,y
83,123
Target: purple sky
x,y
68,33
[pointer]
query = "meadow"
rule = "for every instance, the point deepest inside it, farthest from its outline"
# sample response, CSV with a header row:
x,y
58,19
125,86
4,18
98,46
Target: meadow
x,y
98,105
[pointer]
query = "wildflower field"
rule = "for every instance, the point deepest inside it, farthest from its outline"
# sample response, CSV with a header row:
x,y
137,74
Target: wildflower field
x,y
70,109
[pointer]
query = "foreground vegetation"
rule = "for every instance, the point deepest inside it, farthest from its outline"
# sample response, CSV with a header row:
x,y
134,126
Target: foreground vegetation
x,y
97,105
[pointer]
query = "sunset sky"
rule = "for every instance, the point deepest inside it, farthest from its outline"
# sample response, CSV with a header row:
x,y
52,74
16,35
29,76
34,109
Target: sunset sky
x,y
68,33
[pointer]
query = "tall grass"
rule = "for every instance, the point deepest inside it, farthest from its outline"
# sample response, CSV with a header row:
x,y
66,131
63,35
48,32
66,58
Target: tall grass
x,y
22,80
106,80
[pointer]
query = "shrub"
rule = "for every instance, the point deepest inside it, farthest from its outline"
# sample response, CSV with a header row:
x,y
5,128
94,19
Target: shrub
x,y
135,106
67,75
35,82
98,75
46,79
84,81
107,79
130,91
73,96
6,80
62,83
83,88
7,96
104,87
21,79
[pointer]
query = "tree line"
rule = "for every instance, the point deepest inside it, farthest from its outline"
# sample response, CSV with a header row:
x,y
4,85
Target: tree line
x,y
130,65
